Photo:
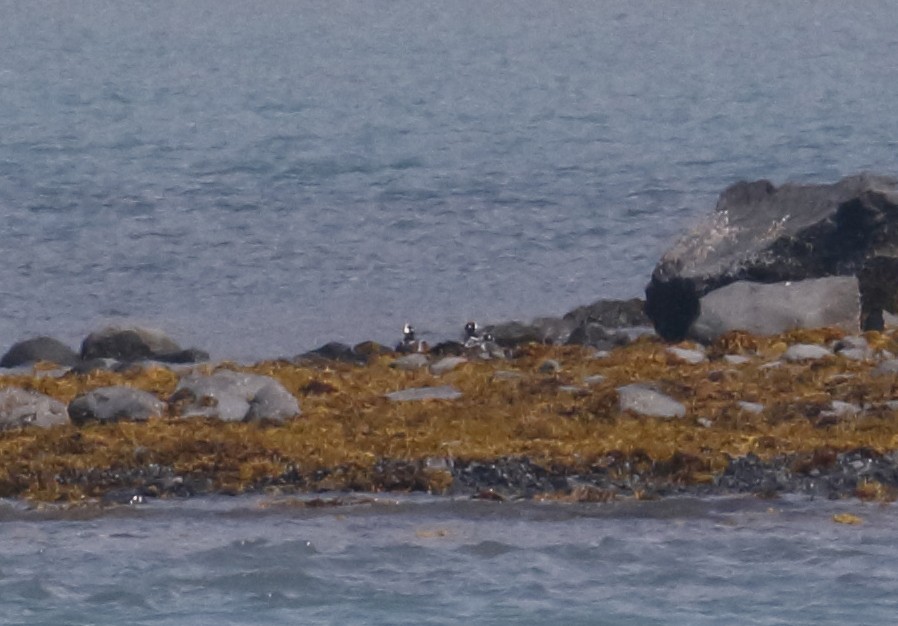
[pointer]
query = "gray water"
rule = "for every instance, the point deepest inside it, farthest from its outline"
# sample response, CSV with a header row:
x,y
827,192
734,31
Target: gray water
x,y
438,561
258,178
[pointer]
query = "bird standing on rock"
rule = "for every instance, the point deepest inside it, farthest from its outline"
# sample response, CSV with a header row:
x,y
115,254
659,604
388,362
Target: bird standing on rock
x,y
472,335
409,343
481,345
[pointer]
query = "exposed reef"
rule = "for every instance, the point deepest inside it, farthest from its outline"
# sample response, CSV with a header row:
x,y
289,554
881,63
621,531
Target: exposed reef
x,y
810,411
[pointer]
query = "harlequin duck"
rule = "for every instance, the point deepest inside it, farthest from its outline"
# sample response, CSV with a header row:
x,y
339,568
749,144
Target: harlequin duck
x,y
409,343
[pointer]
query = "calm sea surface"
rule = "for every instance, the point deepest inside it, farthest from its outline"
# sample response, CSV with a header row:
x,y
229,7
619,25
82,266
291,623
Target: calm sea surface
x,y
258,178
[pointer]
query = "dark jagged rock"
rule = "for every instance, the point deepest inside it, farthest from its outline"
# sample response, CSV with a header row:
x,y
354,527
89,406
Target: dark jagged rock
x,y
611,314
597,336
767,234
30,351
547,330
190,355
334,351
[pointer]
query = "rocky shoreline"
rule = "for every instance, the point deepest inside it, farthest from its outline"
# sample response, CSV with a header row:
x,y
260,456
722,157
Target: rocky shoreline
x,y
806,412
590,406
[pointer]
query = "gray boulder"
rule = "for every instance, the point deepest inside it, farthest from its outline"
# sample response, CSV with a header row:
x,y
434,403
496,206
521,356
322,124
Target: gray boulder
x,y
19,408
137,344
233,397
113,404
770,309
30,351
767,234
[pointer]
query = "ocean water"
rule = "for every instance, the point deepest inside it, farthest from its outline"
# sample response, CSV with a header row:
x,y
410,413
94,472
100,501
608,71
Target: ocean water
x,y
258,178
431,560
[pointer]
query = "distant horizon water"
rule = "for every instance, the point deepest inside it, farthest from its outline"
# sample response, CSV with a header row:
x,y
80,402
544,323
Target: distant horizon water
x,y
257,180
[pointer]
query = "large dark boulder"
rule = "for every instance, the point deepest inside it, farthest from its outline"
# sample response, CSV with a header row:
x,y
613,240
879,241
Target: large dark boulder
x,y
31,351
137,344
767,234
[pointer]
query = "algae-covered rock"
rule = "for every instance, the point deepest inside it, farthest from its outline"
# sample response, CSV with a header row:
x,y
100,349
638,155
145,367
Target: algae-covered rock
x,y
113,404
31,351
233,397
19,407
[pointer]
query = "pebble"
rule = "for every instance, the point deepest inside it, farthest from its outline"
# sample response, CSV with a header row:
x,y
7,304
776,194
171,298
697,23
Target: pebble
x,y
887,367
751,407
855,354
842,409
736,359
507,375
693,357
595,379
646,401
443,392
806,352
550,366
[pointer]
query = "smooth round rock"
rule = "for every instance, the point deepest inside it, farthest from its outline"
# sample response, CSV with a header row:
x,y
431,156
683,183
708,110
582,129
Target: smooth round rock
x,y
113,404
233,397
128,344
806,352
31,351
19,408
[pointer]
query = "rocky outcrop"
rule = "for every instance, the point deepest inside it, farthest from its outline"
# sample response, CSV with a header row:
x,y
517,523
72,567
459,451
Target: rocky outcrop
x,y
766,234
113,404
31,351
19,408
137,344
